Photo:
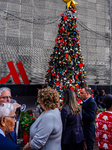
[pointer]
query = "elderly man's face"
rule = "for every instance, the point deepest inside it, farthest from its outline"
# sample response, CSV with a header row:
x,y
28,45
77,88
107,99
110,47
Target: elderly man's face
x,y
10,122
5,97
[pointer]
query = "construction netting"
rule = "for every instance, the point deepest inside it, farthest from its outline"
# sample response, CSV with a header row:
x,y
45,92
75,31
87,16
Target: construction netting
x,y
28,29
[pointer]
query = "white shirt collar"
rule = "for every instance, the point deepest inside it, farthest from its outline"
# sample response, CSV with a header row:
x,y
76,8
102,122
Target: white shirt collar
x,y
1,132
108,111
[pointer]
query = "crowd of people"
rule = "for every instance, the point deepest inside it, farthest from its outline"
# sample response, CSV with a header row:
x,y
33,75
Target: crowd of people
x,y
71,128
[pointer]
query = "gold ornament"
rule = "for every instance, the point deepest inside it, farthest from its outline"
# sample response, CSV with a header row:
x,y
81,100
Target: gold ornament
x,y
69,57
70,3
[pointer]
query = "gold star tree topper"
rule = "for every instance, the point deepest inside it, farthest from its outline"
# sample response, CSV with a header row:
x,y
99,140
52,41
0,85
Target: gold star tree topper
x,y
70,3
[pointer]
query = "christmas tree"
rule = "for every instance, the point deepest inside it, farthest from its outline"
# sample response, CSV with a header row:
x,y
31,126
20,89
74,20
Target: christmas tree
x,y
66,65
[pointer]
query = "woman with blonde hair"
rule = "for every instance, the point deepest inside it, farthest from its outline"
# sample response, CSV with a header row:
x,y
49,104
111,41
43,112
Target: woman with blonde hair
x,y
72,134
46,131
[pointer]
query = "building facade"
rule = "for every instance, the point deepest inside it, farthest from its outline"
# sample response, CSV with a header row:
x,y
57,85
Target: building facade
x,y
29,28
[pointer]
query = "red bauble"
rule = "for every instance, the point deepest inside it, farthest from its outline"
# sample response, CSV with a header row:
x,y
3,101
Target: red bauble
x,y
65,18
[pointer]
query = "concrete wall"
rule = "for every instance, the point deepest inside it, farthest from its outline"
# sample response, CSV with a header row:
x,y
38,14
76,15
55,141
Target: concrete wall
x,y
28,29
95,39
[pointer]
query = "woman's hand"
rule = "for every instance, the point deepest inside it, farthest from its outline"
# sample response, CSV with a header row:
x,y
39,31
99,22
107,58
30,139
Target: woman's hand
x,y
27,147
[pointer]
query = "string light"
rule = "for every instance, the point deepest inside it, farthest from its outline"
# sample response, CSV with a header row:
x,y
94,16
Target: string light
x,y
55,20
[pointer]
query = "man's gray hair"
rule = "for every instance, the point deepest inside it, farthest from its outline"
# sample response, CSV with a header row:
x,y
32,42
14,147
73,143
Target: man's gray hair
x,y
4,89
6,109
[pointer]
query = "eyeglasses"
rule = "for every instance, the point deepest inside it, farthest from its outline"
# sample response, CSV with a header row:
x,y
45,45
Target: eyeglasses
x,y
14,117
6,97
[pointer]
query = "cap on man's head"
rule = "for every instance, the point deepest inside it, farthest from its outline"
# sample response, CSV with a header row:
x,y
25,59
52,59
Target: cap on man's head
x,y
107,101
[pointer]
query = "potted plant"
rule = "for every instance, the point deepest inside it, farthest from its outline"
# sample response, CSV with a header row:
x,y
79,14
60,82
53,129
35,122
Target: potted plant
x,y
26,120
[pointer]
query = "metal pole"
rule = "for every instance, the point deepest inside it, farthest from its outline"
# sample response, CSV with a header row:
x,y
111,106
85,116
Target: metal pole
x,y
110,2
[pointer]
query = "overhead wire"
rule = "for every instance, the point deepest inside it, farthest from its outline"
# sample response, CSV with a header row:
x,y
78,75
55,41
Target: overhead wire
x,y
88,29
56,19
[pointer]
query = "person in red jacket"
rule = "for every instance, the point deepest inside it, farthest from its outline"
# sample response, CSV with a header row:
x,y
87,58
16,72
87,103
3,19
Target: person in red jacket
x,y
103,125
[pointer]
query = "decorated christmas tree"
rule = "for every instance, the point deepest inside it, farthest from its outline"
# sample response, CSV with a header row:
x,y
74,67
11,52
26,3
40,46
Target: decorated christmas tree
x,y
66,65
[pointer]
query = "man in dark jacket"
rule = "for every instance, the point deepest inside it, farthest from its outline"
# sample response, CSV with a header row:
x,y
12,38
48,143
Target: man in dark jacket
x,y
89,109
5,97
100,97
